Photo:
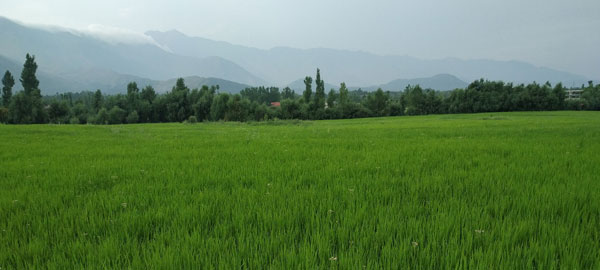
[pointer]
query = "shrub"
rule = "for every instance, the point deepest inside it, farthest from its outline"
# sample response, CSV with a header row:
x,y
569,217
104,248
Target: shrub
x,y
133,117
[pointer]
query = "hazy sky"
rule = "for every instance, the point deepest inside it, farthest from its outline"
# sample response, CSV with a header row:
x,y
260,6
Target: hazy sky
x,y
559,34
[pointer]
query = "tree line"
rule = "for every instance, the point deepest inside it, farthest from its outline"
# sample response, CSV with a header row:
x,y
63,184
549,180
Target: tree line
x,y
181,104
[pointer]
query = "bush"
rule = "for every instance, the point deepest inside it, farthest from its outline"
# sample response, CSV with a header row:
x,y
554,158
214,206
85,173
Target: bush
x,y
116,115
192,119
3,115
133,117
74,121
101,118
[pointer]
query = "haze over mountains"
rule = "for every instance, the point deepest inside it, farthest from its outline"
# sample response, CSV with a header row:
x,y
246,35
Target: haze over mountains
x,y
74,61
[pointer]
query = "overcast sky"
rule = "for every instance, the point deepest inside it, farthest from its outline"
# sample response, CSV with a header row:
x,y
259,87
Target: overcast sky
x,y
559,34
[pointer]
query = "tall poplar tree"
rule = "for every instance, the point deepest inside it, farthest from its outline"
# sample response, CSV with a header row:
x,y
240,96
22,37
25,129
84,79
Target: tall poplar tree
x,y
308,89
8,81
319,92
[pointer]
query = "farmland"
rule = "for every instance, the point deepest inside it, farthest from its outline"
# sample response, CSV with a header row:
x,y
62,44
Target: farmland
x,y
483,191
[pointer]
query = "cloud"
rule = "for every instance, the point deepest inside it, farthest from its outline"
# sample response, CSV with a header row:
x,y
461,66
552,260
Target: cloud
x,y
115,35
109,34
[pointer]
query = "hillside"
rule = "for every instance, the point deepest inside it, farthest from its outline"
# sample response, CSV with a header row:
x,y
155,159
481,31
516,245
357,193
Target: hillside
x,y
74,55
282,64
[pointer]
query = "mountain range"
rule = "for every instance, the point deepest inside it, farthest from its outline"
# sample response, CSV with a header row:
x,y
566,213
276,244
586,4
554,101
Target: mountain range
x,y
69,60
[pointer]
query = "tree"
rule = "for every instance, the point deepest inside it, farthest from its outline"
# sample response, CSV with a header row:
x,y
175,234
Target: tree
x,y
559,96
343,94
132,95
98,100
29,108
290,109
319,92
237,109
307,89
116,115
148,94
133,117
58,112
331,97
413,100
287,93
202,106
28,79
377,102
591,96
219,107
178,108
8,81
102,117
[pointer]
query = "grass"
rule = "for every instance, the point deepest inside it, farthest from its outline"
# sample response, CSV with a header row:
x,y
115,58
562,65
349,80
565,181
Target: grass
x,y
480,191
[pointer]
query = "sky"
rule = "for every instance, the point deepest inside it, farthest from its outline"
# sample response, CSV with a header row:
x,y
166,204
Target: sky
x,y
558,34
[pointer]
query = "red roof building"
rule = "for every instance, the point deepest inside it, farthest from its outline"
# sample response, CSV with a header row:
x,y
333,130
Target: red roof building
x,y
276,104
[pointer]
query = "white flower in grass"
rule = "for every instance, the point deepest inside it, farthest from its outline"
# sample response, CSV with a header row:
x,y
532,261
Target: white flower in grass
x,y
479,231
334,258
415,244
124,204
330,211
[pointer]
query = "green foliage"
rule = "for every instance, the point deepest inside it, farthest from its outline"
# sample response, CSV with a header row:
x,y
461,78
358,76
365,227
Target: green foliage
x,y
262,95
219,107
202,107
133,117
319,100
331,98
74,121
237,109
4,115
28,78
26,107
378,103
591,96
8,81
254,103
98,100
148,94
291,109
116,115
307,89
288,93
102,118
344,99
58,112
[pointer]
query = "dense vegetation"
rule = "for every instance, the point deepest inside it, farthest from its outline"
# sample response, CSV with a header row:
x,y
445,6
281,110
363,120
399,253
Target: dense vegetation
x,y
483,191
254,104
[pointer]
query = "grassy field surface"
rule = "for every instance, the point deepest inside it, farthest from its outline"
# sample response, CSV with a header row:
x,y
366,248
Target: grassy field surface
x,y
480,191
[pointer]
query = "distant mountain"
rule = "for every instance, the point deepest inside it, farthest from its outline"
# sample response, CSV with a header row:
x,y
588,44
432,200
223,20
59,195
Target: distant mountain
x,y
73,55
109,82
49,83
440,82
282,65
74,61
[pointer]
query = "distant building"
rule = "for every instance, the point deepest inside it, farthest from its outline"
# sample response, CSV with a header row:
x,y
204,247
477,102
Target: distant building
x,y
574,94
275,104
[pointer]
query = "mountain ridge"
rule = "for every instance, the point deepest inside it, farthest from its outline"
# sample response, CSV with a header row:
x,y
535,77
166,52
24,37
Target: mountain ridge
x,y
356,67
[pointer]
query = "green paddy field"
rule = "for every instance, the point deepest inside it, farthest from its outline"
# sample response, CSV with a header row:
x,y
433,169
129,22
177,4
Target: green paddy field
x,y
479,191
